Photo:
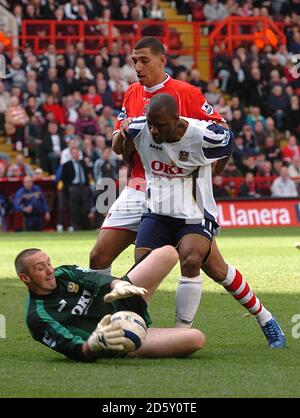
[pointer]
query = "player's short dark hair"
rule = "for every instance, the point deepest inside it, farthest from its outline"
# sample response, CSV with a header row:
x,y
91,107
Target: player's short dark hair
x,y
20,261
154,44
163,101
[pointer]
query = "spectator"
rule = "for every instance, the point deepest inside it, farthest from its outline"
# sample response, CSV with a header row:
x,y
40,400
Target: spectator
x,y
293,116
18,75
69,83
30,201
259,133
196,80
256,88
71,10
290,151
283,186
3,167
89,153
224,109
53,106
294,45
76,184
231,170
239,151
278,102
107,118
271,129
237,79
70,110
294,167
128,73
249,165
33,135
254,116
51,148
15,121
50,79
66,154
264,36
25,169
99,145
4,103
214,10
248,188
265,171
81,68
105,93
272,152
219,190
250,140
93,98
105,167
48,10
237,122
212,94
155,11
86,123
118,97
4,209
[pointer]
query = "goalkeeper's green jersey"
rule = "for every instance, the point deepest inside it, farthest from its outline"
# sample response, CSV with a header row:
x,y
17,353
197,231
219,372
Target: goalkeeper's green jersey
x,y
65,319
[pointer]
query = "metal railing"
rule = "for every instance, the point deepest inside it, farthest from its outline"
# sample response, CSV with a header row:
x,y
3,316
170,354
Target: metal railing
x,y
230,33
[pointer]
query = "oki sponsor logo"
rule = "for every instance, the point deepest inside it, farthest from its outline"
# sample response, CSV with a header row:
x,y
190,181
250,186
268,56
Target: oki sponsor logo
x,y
83,304
166,168
230,216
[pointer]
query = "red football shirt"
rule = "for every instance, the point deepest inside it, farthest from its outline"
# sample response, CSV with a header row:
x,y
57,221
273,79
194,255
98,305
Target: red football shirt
x,y
190,100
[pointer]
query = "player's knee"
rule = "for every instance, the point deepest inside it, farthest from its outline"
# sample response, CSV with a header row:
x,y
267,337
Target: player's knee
x,y
195,341
190,265
99,259
170,253
198,339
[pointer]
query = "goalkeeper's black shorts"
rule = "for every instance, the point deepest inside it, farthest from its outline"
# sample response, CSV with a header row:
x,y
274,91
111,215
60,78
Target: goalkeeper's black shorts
x,y
135,304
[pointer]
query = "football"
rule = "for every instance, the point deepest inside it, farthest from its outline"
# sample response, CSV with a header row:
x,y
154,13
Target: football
x,y
134,328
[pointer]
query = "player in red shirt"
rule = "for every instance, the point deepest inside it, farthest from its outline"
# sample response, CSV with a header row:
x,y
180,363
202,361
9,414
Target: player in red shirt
x,y
119,228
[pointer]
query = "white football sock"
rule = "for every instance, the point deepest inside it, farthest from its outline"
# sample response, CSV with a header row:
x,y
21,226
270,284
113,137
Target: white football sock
x,y
188,296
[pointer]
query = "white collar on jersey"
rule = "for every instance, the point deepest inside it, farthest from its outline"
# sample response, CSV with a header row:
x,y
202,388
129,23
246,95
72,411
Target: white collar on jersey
x,y
158,86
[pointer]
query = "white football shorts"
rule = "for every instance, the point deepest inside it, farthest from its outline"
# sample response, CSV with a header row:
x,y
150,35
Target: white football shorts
x,y
126,212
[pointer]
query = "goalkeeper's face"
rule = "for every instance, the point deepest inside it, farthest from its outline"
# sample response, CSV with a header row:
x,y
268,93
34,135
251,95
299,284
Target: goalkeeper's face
x,y
40,278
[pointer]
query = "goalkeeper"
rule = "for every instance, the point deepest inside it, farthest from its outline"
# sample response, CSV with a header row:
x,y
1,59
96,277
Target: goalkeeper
x,y
68,308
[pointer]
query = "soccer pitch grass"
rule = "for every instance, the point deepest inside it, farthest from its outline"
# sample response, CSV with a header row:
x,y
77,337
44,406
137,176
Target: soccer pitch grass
x,y
236,361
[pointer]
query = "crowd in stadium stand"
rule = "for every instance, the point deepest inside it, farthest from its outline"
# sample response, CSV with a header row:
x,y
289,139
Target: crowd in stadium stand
x,y
54,103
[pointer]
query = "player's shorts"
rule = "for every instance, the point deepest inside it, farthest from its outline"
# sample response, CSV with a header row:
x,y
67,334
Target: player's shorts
x,y
126,212
157,230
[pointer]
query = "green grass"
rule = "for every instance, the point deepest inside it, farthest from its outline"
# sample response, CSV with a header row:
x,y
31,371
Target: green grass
x,y
236,361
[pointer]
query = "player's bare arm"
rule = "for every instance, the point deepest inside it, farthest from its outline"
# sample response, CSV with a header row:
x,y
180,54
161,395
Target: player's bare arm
x,y
128,150
119,136
219,166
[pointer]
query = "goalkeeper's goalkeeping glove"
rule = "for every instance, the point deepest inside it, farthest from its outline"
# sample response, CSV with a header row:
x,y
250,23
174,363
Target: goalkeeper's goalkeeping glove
x,y
107,336
124,290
